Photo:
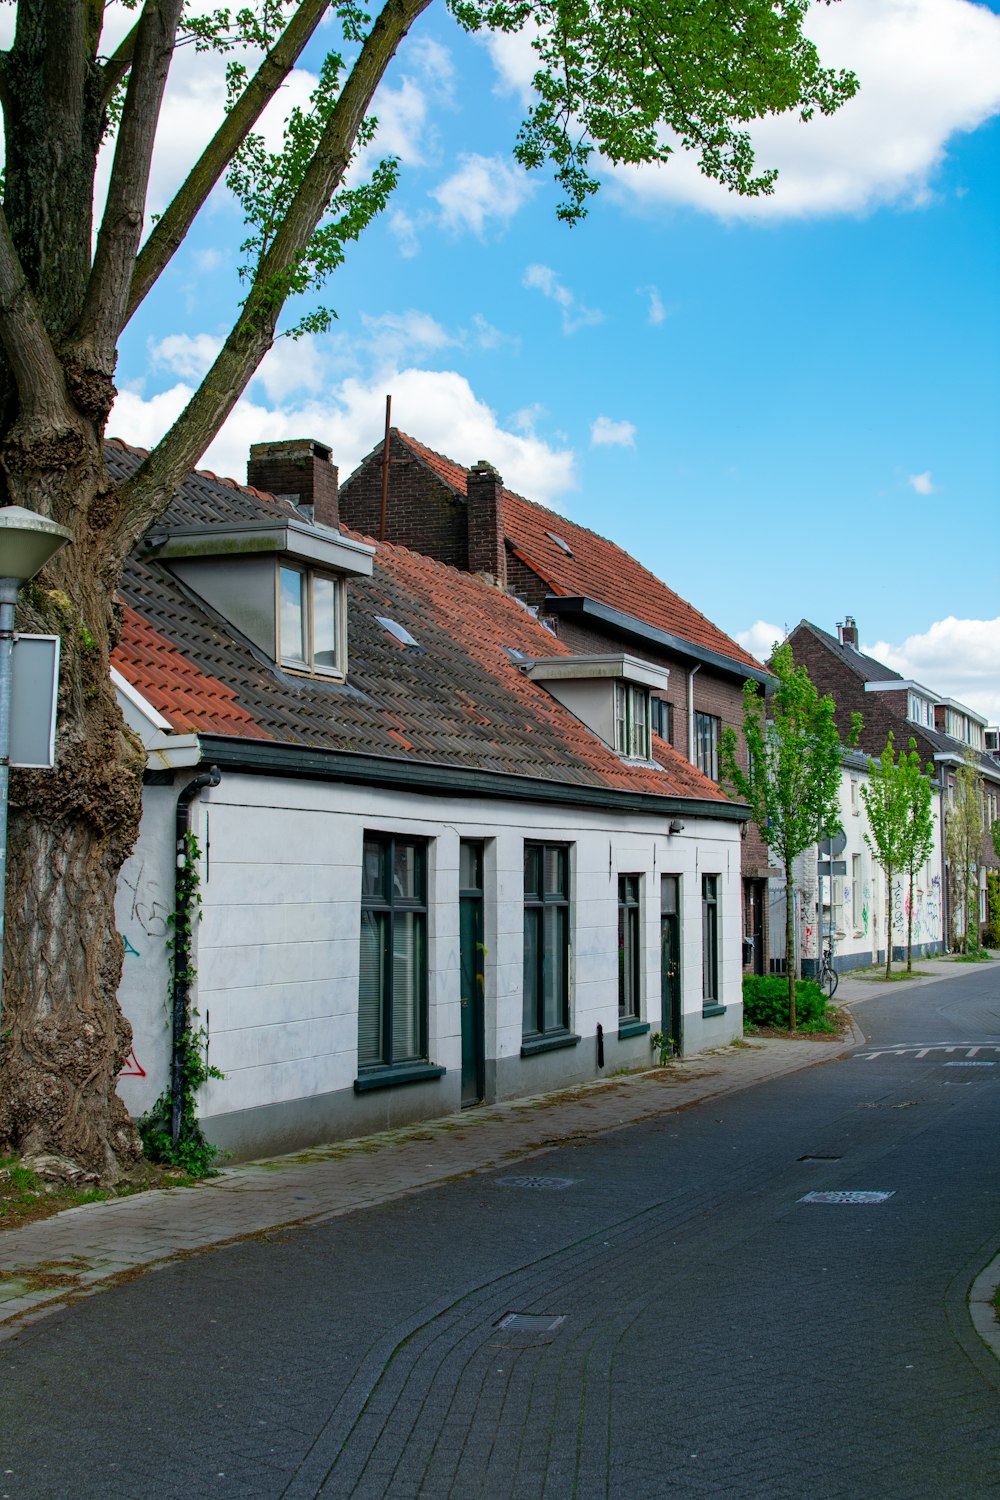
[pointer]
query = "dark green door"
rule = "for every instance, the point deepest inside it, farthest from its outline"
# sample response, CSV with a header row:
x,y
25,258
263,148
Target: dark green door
x,y
472,957
670,960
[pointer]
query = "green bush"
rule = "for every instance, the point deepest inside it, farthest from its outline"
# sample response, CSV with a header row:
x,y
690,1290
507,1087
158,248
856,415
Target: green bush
x,y
765,1003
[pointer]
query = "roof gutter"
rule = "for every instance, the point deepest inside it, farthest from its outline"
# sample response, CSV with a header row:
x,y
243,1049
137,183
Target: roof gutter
x,y
269,757
615,619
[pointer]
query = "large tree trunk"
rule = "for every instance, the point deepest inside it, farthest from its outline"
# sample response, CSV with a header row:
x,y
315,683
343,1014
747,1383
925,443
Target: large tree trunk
x,y
64,1037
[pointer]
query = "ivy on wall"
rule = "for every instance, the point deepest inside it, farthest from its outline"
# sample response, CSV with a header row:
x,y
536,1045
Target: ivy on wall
x,y
190,1150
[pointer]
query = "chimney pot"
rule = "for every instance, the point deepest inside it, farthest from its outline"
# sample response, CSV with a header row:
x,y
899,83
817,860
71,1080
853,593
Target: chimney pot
x,y
299,469
848,631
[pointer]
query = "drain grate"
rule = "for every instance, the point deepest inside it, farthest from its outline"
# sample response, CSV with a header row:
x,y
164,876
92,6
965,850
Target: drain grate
x,y
846,1196
543,1184
970,1065
526,1330
878,1104
820,1156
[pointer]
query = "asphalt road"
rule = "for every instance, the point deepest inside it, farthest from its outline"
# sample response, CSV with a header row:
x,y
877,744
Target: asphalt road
x,y
684,1325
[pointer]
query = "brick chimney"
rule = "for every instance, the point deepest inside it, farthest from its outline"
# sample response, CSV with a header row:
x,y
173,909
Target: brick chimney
x,y
487,552
848,632
298,470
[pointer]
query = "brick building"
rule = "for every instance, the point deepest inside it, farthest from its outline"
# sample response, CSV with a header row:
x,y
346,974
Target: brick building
x,y
945,732
593,596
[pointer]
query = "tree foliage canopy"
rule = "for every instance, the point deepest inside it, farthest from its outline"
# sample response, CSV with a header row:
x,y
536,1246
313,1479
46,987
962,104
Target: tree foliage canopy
x,y
620,79
792,778
901,825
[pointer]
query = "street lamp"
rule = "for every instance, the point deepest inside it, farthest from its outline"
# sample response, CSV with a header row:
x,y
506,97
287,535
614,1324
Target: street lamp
x,y
27,541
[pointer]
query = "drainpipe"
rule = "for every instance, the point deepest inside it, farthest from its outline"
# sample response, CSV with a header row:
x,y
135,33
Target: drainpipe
x,y
182,825
691,672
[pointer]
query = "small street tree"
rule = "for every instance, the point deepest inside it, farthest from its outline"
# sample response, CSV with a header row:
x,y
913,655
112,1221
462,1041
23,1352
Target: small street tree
x,y
891,799
963,834
920,830
622,78
792,778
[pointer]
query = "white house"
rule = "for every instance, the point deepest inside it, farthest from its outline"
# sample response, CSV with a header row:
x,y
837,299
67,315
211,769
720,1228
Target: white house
x,y
440,859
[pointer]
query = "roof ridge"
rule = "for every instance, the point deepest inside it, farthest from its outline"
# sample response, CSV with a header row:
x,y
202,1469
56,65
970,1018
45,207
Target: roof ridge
x,y
421,448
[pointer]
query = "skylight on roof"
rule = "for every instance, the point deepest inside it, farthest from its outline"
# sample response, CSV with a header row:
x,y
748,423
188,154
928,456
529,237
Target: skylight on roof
x,y
515,654
565,546
397,631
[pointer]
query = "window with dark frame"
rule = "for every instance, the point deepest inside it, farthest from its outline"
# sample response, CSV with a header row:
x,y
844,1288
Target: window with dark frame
x,y
392,996
707,733
661,719
629,953
310,624
546,939
710,939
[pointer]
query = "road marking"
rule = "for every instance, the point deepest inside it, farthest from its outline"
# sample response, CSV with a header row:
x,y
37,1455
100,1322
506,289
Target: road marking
x,y
918,1050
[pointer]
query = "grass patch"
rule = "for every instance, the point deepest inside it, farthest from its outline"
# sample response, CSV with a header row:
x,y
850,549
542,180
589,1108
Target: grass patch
x,y
25,1197
879,976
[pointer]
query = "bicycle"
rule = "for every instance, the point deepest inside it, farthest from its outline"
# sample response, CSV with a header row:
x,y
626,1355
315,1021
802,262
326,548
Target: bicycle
x,y
828,976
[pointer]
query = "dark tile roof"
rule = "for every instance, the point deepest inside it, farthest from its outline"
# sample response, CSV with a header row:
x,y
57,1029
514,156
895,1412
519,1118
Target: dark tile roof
x,y
594,567
865,667
458,701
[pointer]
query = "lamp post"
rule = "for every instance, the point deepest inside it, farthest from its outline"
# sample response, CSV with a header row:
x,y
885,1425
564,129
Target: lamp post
x,y
27,541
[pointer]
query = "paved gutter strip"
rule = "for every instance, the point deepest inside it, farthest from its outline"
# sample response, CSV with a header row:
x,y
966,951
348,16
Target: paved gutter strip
x,y
98,1245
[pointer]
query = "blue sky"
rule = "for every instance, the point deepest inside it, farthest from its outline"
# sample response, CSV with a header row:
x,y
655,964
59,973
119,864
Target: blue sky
x,y
784,408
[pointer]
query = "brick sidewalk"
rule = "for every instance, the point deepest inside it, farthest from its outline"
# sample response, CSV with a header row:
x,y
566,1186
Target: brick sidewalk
x,y
75,1253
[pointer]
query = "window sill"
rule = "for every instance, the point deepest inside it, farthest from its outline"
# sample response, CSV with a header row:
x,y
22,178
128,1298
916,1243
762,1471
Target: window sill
x,y
387,1078
713,1010
551,1043
632,1028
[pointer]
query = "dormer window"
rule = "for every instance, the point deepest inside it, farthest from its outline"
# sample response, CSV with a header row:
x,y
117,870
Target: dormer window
x,y
609,693
310,621
632,720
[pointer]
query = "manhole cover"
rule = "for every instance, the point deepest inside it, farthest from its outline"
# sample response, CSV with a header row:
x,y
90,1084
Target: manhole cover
x,y
970,1065
526,1330
846,1197
544,1184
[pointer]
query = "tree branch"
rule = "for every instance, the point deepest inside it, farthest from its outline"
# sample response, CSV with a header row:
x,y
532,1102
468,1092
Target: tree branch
x,y
150,488
118,64
37,372
95,338
172,228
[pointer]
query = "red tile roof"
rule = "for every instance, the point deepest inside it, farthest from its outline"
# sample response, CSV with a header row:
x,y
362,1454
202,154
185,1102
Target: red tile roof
x,y
597,569
175,687
459,699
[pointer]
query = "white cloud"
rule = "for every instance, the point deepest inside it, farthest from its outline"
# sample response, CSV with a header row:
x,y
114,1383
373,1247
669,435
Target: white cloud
x,y
488,337
483,188
188,355
438,406
574,315
394,337
760,639
405,230
207,260
954,658
291,365
929,69
656,313
514,59
605,433
922,483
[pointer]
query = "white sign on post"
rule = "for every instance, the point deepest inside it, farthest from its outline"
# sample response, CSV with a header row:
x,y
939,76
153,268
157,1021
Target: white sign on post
x,y
34,687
